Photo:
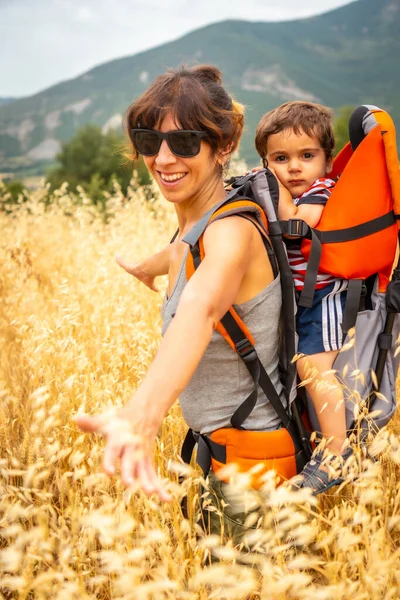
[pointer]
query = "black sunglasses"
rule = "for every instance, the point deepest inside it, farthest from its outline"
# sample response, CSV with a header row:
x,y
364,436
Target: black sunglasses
x,y
182,142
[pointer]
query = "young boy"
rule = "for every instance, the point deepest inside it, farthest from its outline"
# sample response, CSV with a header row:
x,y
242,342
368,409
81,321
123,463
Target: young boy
x,y
297,140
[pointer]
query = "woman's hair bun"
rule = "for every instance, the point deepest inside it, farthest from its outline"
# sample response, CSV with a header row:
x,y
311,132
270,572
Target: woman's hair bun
x,y
209,72
238,108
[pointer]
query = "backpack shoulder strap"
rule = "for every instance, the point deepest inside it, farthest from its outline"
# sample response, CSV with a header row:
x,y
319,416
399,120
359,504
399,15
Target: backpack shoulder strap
x,y
243,207
231,326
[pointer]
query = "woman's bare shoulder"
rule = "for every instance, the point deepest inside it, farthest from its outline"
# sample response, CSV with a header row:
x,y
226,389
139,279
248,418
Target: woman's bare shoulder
x,y
232,228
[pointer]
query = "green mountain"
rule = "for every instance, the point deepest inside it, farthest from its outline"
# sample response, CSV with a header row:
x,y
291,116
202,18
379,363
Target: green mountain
x,y
346,56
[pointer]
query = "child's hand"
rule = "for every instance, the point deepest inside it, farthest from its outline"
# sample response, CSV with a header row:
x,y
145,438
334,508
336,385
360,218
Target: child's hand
x,y
283,191
138,271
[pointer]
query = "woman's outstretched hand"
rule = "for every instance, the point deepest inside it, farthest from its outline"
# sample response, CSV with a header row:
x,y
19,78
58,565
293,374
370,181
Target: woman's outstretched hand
x,y
138,271
133,451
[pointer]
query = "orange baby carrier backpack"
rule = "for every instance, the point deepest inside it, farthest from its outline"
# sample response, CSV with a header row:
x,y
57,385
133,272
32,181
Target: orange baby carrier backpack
x,y
357,234
356,239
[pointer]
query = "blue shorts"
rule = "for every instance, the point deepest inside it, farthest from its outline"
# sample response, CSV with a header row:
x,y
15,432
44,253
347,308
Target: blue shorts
x,y
320,327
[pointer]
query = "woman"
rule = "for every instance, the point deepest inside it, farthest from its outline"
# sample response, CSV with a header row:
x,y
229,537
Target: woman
x,y
186,126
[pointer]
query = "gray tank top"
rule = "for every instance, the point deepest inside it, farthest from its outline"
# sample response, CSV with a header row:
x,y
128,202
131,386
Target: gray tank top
x,y
221,381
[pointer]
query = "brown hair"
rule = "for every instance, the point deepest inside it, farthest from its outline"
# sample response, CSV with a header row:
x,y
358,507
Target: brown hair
x,y
308,117
197,100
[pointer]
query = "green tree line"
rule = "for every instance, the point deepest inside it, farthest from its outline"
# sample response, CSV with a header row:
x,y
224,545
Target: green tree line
x,y
93,159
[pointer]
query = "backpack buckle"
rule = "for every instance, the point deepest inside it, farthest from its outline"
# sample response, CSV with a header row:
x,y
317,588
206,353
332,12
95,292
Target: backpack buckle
x,y
297,227
246,350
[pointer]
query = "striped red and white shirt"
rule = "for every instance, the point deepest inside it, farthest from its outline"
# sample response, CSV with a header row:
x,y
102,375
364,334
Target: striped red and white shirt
x,y
317,193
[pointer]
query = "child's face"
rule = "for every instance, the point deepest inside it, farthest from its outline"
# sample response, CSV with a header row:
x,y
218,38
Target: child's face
x,y
297,160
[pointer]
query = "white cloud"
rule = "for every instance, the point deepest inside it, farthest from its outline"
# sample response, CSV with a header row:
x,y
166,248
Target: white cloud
x,y
84,14
48,41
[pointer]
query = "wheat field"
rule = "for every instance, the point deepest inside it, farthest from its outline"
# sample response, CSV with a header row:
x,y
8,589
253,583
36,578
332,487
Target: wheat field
x,y
78,333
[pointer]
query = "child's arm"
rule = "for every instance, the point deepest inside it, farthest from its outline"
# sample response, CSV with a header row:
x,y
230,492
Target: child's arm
x,y
310,213
149,268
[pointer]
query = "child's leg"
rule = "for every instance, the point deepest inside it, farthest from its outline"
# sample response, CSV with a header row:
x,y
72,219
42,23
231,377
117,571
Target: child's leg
x,y
327,397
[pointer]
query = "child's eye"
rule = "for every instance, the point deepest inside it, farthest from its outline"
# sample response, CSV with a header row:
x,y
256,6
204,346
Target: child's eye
x,y
281,158
308,155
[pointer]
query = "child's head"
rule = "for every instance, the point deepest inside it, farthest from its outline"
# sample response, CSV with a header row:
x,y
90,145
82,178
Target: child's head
x,y
297,139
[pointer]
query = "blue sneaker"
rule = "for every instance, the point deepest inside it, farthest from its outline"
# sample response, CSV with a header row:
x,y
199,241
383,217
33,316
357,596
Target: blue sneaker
x,y
317,478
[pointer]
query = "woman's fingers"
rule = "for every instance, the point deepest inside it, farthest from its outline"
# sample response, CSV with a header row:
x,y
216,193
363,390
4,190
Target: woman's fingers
x,y
112,453
150,482
138,468
105,424
130,459
89,424
123,445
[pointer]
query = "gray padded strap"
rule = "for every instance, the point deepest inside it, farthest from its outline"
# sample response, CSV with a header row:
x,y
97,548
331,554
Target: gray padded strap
x,y
193,236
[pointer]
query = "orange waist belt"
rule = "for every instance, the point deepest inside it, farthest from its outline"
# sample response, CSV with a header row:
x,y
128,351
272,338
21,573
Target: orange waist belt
x,y
274,450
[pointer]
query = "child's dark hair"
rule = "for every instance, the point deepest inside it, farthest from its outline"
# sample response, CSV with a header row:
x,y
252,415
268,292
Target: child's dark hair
x,y
197,100
308,117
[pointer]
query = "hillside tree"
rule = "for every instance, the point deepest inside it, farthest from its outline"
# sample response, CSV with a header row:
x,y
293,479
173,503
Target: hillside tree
x,y
341,127
93,159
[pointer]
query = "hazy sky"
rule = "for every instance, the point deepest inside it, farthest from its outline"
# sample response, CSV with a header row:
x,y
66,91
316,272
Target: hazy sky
x,y
43,42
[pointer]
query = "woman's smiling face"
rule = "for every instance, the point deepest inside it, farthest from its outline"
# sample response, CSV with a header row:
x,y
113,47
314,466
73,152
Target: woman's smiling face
x,y
182,180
